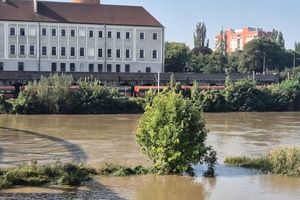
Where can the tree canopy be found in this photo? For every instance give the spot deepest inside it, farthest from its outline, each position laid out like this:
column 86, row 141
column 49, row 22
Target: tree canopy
column 176, row 57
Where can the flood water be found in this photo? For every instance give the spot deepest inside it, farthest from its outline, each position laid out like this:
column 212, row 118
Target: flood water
column 103, row 139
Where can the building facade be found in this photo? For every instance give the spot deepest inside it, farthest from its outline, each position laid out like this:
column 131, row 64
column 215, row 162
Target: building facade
column 237, row 39
column 79, row 37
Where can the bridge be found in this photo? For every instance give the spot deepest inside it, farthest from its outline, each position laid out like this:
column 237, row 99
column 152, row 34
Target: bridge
column 115, row 79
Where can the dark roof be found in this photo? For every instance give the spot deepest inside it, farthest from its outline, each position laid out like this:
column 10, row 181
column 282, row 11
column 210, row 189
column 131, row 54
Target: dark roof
column 58, row 12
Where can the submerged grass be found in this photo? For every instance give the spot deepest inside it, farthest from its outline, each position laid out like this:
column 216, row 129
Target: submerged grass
column 119, row 170
column 281, row 161
column 34, row 175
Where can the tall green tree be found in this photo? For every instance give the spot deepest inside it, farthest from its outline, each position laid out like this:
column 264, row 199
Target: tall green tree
column 297, row 47
column 234, row 61
column 176, row 57
column 274, row 35
column 200, row 36
column 260, row 51
column 280, row 40
column 222, row 43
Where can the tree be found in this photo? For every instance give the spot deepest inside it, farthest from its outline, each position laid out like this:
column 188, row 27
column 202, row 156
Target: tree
column 176, row 56
column 234, row 61
column 215, row 63
column 297, row 47
column 200, row 36
column 260, row 51
column 172, row 133
column 274, row 35
column 222, row 43
column 197, row 63
column 280, row 40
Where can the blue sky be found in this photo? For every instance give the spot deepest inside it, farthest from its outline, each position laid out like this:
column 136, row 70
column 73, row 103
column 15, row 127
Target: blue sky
column 180, row 17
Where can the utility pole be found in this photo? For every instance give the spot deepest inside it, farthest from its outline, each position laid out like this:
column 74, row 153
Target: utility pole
column 264, row 65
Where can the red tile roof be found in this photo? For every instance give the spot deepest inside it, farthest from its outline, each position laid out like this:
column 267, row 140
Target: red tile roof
column 58, row 12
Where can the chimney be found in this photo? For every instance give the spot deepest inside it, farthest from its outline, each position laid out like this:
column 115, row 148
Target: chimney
column 3, row 1
column 87, row 1
column 35, row 8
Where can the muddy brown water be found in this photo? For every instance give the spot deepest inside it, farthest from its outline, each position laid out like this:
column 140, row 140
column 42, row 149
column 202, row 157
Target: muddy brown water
column 99, row 139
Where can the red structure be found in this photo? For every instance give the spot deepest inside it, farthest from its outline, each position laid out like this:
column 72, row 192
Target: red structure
column 237, row 39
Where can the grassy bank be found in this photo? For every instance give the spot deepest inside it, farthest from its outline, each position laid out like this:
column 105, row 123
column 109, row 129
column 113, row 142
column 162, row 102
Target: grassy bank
column 34, row 175
column 281, row 161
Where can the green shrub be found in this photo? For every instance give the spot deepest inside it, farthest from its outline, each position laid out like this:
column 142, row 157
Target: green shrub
column 244, row 96
column 282, row 161
column 213, row 101
column 5, row 106
column 172, row 133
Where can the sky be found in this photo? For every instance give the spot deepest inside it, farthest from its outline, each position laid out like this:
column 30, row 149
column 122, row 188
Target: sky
column 180, row 17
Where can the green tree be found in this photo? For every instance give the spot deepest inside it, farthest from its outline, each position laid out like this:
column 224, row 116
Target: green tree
column 200, row 36
column 176, row 57
column 222, row 43
column 274, row 35
column 172, row 133
column 258, row 51
column 297, row 47
column 280, row 40
column 234, row 61
column 197, row 63
column 215, row 63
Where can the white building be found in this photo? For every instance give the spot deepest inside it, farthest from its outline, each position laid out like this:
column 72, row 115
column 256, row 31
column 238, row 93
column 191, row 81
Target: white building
column 78, row 37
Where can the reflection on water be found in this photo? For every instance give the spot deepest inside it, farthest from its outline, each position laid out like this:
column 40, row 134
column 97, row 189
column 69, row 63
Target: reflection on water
column 110, row 139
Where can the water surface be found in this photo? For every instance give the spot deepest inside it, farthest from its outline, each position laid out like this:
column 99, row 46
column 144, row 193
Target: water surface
column 96, row 139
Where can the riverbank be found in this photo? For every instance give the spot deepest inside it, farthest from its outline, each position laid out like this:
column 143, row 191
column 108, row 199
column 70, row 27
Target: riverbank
column 53, row 95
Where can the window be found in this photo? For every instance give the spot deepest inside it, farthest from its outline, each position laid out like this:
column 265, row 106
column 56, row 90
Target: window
column 109, row 53
column 72, row 67
column 100, row 34
column 44, row 31
column 109, row 34
column 44, row 50
column 20, row 66
column 118, row 53
column 127, row 54
column 81, row 51
column 72, row 52
column 53, row 52
column 154, row 36
column 22, row 31
column 62, row 67
column 154, row 54
column 148, row 69
column 53, row 32
column 142, row 36
column 127, row 68
column 31, row 50
column 108, row 67
column 72, row 33
column 1, row 66
column 100, row 53
column 53, row 67
column 127, row 35
column 91, row 34
column 12, row 49
column 142, row 53
column 63, row 51
column 118, row 68
column 63, row 32
column 91, row 67
column 118, row 35
column 22, row 49
column 100, row 67
column 12, row 31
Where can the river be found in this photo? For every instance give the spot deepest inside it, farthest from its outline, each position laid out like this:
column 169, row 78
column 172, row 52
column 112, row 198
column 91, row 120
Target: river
column 99, row 139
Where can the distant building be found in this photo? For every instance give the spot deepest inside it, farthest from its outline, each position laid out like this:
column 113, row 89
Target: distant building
column 83, row 36
column 237, row 39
